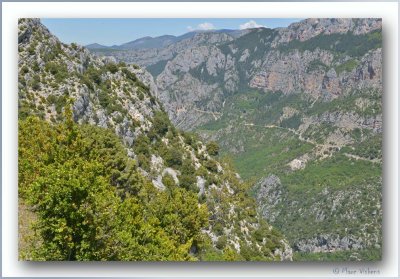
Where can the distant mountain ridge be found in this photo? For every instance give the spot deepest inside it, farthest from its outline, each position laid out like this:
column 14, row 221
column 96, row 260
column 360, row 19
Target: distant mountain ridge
column 161, row 41
column 96, row 46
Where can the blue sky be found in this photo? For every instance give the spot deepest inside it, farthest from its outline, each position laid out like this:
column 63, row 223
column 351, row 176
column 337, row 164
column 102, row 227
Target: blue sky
column 118, row 31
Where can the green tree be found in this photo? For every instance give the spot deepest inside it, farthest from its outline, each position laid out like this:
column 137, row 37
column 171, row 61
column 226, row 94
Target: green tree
column 180, row 215
column 173, row 157
column 161, row 124
column 68, row 174
column 75, row 204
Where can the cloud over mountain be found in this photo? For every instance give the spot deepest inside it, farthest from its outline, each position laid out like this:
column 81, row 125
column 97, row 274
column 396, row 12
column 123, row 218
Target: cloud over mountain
column 250, row 24
column 202, row 26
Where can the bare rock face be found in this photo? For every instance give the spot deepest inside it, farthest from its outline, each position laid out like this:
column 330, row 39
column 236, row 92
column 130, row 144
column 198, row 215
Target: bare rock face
column 211, row 65
column 269, row 194
column 291, row 73
column 179, row 90
column 312, row 27
column 329, row 243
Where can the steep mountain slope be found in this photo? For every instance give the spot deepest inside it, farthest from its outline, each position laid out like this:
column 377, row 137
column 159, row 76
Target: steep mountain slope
column 164, row 182
column 299, row 109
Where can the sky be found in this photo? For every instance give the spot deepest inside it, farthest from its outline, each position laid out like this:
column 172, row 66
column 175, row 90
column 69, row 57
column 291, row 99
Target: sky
column 110, row 32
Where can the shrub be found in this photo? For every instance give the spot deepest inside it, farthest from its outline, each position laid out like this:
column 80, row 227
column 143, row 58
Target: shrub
column 142, row 145
column 218, row 229
column 188, row 181
column 258, row 235
column 129, row 74
column 112, row 67
column 141, row 96
column 35, row 83
column 211, row 165
column 168, row 181
column 35, row 67
column 173, row 157
column 144, row 162
column 221, row 242
column 212, row 148
column 161, row 123
column 59, row 71
column 31, row 50
column 93, row 74
column 24, row 70
column 142, row 86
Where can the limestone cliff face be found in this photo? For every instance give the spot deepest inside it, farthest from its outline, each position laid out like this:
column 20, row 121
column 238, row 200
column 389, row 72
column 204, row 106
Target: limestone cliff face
column 294, row 73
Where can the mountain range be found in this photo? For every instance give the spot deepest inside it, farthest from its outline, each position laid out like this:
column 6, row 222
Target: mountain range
column 160, row 41
column 277, row 132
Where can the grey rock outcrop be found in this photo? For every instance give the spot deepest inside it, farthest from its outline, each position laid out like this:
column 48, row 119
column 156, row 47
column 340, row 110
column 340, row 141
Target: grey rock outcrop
column 269, row 194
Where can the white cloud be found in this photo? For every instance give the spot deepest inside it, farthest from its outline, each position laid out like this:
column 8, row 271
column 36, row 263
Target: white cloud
column 250, row 24
column 205, row 26
column 202, row 26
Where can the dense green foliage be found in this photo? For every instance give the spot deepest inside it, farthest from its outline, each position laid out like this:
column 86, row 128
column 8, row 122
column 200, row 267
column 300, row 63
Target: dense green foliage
column 347, row 66
column 335, row 172
column 92, row 203
column 267, row 149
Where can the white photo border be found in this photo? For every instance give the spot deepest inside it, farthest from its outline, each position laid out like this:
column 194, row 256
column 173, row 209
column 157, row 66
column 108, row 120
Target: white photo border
column 11, row 11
